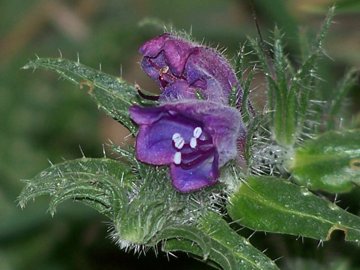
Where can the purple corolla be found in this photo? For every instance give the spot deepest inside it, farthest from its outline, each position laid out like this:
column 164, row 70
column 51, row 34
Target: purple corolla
column 194, row 137
column 182, row 67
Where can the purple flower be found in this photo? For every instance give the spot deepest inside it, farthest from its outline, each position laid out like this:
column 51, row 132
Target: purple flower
column 182, row 67
column 195, row 138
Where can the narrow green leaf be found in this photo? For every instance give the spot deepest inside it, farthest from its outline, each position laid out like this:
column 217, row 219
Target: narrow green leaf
column 99, row 183
column 260, row 52
column 245, row 102
column 200, row 243
column 280, row 64
column 230, row 250
column 304, row 42
column 342, row 90
column 282, row 99
column 278, row 11
column 177, row 244
column 330, row 162
column 225, row 247
column 285, row 115
column 245, row 74
column 252, row 128
column 291, row 117
column 348, row 6
column 318, row 43
column 240, row 64
column 127, row 193
column 273, row 205
column 112, row 94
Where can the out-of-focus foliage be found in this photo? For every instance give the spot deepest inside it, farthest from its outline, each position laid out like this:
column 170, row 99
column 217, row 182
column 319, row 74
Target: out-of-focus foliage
column 44, row 118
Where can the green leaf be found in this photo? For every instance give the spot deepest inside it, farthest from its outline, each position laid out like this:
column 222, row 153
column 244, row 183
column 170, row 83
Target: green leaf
column 285, row 114
column 318, row 43
column 289, row 90
column 346, row 84
column 113, row 189
column 330, row 162
column 224, row 246
column 273, row 205
column 177, row 237
column 112, row 94
column 176, row 244
column 278, row 12
column 348, row 6
column 282, row 98
column 305, row 81
column 99, row 183
column 126, row 192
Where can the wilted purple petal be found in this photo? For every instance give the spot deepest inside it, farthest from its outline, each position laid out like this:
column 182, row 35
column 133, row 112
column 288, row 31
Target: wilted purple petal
column 171, row 60
column 177, row 91
column 165, row 51
column 195, row 138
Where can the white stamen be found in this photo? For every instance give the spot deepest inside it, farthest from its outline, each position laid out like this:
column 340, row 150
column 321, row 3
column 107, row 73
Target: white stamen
column 177, row 158
column 197, row 132
column 163, row 70
column 179, row 143
column 193, row 142
column 176, row 136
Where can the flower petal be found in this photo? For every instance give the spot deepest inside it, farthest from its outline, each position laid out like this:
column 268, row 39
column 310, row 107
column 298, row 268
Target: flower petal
column 223, row 124
column 169, row 59
column 208, row 70
column 194, row 137
column 177, row 91
column 154, row 144
column 145, row 116
column 152, row 47
column 165, row 51
column 204, row 175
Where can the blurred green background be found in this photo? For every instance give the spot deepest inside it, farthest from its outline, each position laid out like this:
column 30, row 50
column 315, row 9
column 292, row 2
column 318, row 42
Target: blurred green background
column 45, row 119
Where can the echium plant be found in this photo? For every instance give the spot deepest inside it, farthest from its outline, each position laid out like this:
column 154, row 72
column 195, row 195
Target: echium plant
column 204, row 156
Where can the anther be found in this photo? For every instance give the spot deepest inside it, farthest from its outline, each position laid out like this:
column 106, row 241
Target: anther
column 193, row 142
column 197, row 132
column 179, row 143
column 178, row 140
column 176, row 136
column 177, row 158
column 163, row 70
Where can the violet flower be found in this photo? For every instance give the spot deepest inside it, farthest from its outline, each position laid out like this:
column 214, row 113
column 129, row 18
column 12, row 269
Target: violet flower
column 182, row 67
column 195, row 138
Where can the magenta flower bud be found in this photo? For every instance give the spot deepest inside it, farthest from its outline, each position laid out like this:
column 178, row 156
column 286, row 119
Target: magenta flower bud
column 195, row 138
column 182, row 67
